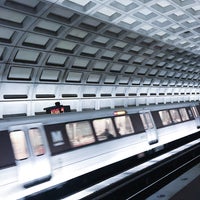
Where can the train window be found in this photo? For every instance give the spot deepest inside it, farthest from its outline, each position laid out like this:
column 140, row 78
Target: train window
column 104, row 129
column 124, row 125
column 195, row 111
column 190, row 113
column 146, row 120
column 36, row 142
column 175, row 115
column 184, row 114
column 19, row 145
column 143, row 121
column 80, row 133
column 165, row 118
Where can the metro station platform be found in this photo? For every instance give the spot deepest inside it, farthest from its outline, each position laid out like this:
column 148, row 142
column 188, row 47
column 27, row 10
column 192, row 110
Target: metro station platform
column 185, row 187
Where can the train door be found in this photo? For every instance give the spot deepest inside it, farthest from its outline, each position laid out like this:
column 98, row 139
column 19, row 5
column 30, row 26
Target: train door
column 31, row 153
column 196, row 116
column 150, row 129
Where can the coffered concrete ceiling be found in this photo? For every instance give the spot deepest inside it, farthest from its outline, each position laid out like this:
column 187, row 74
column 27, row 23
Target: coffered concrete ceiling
column 97, row 54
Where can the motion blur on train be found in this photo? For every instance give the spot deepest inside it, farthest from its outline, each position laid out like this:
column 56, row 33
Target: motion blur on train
column 34, row 149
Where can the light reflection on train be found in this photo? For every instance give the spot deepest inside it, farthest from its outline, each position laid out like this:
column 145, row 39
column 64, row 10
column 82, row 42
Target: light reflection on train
column 33, row 148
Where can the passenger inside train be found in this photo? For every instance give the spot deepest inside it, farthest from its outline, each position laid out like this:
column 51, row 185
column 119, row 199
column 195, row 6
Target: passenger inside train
column 108, row 134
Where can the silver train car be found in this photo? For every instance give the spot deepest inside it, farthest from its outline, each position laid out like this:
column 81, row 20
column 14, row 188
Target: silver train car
column 48, row 148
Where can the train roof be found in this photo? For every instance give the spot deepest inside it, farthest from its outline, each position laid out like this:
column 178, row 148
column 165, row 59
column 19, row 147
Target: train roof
column 83, row 115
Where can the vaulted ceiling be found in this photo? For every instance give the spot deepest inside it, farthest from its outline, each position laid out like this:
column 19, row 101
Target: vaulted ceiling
column 97, row 54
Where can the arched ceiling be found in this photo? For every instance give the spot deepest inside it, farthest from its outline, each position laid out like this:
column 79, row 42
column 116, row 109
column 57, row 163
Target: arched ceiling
column 55, row 51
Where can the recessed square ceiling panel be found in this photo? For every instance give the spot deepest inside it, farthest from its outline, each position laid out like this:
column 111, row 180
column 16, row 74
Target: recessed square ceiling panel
column 120, row 45
column 62, row 15
column 161, row 64
column 150, row 62
column 34, row 40
column 93, row 78
column 156, row 82
column 194, row 10
column 74, row 77
column 50, row 75
column 148, row 52
column 165, row 82
column 145, row 29
column 189, row 23
column 80, row 63
column 125, row 58
column 89, row 51
column 138, row 60
column 20, row 73
column 162, row 22
column 47, row 27
column 128, row 22
column 56, row 60
column 77, row 34
column 163, row 6
column 9, row 16
column 114, row 31
column 160, row 55
column 33, row 6
column 124, row 5
column 6, row 34
column 162, row 73
column 132, row 36
column 183, row 3
column 130, row 69
column 116, row 68
column 110, row 79
column 124, row 80
column 147, row 81
column 100, row 65
column 66, row 46
column 153, row 72
column 142, row 70
column 100, row 40
column 136, row 81
column 91, row 23
column 27, row 56
column 81, row 5
column 106, row 13
column 108, row 54
column 145, row 14
column 135, row 49
column 178, row 16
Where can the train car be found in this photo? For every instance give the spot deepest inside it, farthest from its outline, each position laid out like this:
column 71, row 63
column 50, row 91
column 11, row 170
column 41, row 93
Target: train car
column 49, row 147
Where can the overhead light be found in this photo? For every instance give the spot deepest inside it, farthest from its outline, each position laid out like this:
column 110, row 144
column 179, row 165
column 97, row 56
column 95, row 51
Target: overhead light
column 120, row 112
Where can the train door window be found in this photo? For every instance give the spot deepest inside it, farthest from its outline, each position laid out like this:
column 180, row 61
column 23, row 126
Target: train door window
column 104, row 129
column 146, row 120
column 184, row 114
column 195, row 111
column 175, row 115
column 143, row 121
column 19, row 145
column 165, row 117
column 80, row 133
column 190, row 114
column 123, row 124
column 36, row 142
column 151, row 132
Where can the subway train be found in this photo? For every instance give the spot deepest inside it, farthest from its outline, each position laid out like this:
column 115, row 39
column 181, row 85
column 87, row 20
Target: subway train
column 43, row 148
